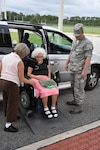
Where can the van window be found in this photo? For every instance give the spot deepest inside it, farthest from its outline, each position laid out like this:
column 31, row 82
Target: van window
column 59, row 44
column 5, row 40
column 34, row 38
column 14, row 36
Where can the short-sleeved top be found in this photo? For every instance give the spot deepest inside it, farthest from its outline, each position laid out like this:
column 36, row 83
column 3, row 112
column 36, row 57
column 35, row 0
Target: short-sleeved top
column 80, row 50
column 39, row 69
column 10, row 68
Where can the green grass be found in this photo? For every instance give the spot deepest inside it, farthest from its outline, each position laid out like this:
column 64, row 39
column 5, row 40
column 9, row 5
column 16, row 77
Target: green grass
column 87, row 30
column 33, row 38
column 14, row 36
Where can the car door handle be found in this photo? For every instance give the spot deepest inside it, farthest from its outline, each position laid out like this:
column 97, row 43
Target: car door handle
column 53, row 63
column 56, row 63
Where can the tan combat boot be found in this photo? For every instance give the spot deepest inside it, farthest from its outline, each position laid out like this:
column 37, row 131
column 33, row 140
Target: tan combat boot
column 77, row 109
column 71, row 102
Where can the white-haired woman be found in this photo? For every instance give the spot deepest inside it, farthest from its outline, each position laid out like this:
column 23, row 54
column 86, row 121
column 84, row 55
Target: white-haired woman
column 40, row 69
column 12, row 72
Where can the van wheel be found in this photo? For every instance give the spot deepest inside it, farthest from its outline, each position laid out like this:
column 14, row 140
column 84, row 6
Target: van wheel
column 25, row 99
column 92, row 79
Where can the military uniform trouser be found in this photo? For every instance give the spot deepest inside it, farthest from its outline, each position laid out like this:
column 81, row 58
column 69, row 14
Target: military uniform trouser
column 78, row 85
column 10, row 92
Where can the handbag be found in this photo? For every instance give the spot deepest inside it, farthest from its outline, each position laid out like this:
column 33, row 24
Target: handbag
column 48, row 83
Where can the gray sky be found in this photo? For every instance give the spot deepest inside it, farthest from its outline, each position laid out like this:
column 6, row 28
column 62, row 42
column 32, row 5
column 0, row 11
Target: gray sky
column 90, row 8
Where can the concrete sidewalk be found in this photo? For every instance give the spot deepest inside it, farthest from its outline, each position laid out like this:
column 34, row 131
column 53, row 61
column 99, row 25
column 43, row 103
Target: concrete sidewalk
column 89, row 140
column 83, row 138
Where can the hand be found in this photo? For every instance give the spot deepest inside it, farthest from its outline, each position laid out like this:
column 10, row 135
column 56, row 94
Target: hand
column 31, row 82
column 66, row 67
column 83, row 74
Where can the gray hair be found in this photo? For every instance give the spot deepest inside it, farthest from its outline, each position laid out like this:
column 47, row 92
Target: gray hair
column 37, row 51
column 21, row 49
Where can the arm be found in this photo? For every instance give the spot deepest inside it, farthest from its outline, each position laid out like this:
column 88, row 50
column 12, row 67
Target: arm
column 49, row 71
column 67, row 62
column 87, row 63
column 21, row 74
column 0, row 66
column 29, row 73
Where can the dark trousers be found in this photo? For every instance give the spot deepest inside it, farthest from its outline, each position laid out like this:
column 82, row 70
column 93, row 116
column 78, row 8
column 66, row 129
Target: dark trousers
column 10, row 92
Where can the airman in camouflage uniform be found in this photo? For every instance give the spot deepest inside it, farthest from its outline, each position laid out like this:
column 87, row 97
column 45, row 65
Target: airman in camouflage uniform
column 79, row 59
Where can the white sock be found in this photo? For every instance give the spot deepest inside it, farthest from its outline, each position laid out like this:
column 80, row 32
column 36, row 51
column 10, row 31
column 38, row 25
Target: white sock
column 53, row 108
column 7, row 125
column 45, row 109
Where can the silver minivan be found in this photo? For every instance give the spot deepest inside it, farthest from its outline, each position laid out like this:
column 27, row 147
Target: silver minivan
column 56, row 43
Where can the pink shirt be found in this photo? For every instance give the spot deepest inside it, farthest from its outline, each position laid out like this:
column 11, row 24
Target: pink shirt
column 9, row 68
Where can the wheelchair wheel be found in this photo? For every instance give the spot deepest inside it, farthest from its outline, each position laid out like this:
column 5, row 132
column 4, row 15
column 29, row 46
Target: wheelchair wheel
column 25, row 99
column 29, row 113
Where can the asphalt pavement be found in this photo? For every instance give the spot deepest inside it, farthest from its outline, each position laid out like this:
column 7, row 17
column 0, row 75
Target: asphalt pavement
column 37, row 128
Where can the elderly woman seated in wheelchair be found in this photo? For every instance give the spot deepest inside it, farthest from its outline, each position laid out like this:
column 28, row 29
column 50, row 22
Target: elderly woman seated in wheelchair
column 39, row 71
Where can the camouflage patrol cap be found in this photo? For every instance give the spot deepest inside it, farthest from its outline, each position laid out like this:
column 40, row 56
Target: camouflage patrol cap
column 78, row 29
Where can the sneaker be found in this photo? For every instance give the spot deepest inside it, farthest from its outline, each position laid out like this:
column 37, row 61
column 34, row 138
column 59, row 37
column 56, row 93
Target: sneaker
column 11, row 128
column 71, row 102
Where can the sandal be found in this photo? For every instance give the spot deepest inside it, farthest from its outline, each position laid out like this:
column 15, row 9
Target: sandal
column 54, row 112
column 48, row 114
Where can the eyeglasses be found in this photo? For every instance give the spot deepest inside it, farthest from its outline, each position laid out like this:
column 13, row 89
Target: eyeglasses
column 39, row 57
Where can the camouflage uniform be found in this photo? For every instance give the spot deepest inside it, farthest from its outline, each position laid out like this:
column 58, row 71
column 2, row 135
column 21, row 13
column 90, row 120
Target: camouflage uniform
column 80, row 50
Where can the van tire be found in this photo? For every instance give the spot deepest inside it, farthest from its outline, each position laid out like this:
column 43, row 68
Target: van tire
column 92, row 79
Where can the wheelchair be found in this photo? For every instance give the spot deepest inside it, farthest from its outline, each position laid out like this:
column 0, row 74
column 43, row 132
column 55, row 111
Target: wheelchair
column 28, row 103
